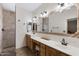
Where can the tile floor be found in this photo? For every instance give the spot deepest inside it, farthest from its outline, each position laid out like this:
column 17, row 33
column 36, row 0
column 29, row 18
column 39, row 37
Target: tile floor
column 24, row 52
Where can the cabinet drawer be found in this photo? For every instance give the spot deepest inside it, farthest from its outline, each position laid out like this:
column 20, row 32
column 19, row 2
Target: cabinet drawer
column 50, row 51
column 43, row 46
column 61, row 54
column 42, row 50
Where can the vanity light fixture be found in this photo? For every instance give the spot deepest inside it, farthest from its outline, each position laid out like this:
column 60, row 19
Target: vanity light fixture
column 34, row 19
column 29, row 20
column 43, row 13
column 63, row 6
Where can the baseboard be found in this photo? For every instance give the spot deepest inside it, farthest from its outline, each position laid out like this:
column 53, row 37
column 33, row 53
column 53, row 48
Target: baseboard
column 21, row 47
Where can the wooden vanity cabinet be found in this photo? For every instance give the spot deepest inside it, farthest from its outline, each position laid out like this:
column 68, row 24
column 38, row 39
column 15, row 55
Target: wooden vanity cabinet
column 61, row 54
column 39, row 48
column 29, row 43
column 36, row 47
column 42, row 49
column 26, row 37
column 53, row 52
column 50, row 51
column 26, row 40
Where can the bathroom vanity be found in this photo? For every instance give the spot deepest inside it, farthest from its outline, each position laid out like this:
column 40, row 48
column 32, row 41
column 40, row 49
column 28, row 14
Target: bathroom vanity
column 49, row 45
column 56, row 35
column 41, row 49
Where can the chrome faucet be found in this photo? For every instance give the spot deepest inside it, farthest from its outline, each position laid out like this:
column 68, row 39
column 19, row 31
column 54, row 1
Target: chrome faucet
column 63, row 42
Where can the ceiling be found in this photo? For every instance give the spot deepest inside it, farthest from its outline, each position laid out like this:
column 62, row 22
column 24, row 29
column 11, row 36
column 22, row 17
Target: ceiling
column 8, row 6
column 29, row 6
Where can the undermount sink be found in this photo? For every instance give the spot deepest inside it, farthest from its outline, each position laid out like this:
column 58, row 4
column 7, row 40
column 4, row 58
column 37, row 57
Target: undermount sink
column 59, row 45
column 56, row 43
column 45, row 38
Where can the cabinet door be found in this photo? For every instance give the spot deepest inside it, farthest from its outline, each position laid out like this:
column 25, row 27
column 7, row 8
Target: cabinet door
column 36, row 48
column 42, row 50
column 26, row 40
column 50, row 51
column 54, row 52
column 58, row 53
column 29, row 41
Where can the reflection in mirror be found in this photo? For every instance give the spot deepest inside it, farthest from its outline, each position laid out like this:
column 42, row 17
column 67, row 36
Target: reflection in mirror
column 45, row 24
column 29, row 27
column 34, row 24
column 34, row 27
column 58, row 21
column 72, row 26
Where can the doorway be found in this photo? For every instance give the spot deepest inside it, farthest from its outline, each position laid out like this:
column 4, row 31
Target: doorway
column 72, row 25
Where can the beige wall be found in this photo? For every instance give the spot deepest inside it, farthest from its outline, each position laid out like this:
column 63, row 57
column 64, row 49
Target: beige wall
column 21, row 29
column 78, row 20
column 77, row 5
column 0, row 28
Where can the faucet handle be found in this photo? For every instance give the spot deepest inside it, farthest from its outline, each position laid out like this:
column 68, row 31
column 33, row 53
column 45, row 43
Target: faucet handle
column 63, row 42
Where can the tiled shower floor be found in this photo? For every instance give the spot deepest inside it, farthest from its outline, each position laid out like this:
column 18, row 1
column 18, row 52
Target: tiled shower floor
column 8, row 52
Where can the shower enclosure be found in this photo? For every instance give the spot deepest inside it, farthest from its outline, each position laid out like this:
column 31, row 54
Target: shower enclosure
column 8, row 32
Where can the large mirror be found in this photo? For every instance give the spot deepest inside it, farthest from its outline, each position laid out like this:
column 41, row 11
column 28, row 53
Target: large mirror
column 64, row 21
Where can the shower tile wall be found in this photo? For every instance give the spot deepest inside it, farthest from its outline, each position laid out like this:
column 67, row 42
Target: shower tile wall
column 0, row 28
column 78, row 20
column 9, row 23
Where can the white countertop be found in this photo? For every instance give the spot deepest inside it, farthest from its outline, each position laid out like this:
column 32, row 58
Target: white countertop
column 69, row 49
